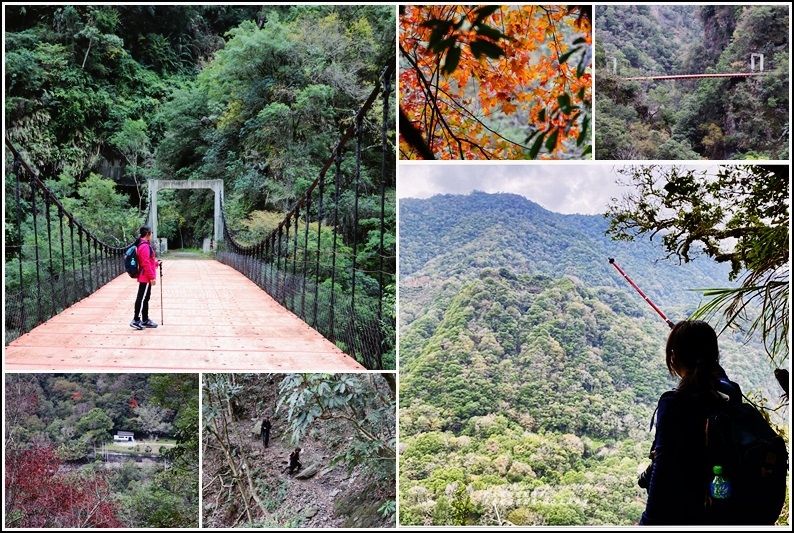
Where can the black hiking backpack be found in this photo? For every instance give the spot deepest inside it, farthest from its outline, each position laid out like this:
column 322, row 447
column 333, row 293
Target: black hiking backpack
column 753, row 457
column 131, row 261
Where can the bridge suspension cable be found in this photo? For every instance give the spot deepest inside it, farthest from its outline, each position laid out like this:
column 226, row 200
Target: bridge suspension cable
column 51, row 260
column 311, row 263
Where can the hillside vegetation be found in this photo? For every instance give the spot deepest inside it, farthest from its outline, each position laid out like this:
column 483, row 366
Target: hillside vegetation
column 529, row 369
column 710, row 118
column 345, row 427
column 254, row 95
column 59, row 429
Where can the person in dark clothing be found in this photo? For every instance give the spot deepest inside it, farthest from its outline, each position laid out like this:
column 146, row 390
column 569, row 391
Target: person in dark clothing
column 266, row 425
column 294, row 461
column 680, row 472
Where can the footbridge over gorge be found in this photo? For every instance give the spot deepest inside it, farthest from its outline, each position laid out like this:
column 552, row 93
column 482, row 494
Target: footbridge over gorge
column 315, row 295
column 755, row 60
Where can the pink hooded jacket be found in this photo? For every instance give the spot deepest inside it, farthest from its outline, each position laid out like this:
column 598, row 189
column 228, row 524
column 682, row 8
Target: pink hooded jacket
column 148, row 262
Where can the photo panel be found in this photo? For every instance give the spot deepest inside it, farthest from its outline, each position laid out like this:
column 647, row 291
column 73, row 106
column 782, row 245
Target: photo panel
column 215, row 192
column 536, row 307
column 495, row 82
column 101, row 450
column 299, row 450
column 692, row 82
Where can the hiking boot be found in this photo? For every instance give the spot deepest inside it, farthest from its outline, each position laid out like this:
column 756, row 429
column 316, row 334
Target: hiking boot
column 148, row 324
column 137, row 324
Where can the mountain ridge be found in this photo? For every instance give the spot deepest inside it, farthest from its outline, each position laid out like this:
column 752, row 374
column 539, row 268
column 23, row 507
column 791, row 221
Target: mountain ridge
column 494, row 230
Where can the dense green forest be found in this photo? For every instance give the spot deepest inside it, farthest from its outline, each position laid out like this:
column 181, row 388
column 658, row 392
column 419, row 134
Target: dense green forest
column 509, row 231
column 65, row 467
column 710, row 118
column 254, row 95
column 101, row 98
column 529, row 369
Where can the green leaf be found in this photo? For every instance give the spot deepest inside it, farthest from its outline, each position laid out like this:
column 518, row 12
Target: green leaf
column 542, row 115
column 484, row 12
column 551, row 142
column 564, row 101
column 432, row 23
column 533, row 152
column 436, row 40
column 492, row 33
column 584, row 135
column 442, row 45
column 453, row 58
column 564, row 57
column 481, row 46
column 580, row 68
column 529, row 137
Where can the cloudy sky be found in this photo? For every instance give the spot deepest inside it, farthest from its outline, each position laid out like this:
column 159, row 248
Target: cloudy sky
column 558, row 186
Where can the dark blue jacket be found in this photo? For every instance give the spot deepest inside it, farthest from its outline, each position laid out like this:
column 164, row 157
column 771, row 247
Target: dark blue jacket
column 681, row 472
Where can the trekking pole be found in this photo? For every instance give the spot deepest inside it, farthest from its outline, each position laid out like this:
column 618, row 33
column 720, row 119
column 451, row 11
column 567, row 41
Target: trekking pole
column 161, row 293
column 614, row 264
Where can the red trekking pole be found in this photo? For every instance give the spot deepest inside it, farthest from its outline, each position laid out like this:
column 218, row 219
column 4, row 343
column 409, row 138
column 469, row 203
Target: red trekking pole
column 669, row 322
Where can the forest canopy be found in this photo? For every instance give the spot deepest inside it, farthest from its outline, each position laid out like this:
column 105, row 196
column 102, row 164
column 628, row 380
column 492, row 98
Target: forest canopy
column 254, row 95
column 710, row 118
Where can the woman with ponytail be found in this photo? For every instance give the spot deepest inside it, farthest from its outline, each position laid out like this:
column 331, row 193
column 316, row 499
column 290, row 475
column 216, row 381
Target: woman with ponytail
column 680, row 469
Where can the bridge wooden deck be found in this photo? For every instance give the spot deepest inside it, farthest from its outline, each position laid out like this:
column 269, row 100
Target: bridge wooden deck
column 215, row 320
column 697, row 76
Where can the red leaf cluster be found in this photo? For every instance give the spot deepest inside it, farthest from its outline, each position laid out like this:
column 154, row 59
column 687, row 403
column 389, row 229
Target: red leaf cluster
column 41, row 493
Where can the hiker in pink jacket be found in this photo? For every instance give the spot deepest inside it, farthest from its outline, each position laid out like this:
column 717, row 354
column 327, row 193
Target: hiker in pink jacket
column 147, row 278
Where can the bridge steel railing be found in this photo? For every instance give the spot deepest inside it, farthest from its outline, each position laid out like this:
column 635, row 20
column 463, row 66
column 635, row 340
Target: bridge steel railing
column 312, row 262
column 51, row 259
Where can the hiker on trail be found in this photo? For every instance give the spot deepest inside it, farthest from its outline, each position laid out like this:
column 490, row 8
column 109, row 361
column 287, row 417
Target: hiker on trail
column 266, row 425
column 677, row 476
column 294, row 461
column 147, row 278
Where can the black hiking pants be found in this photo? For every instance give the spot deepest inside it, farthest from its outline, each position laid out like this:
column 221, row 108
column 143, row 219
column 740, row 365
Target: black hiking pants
column 266, row 437
column 142, row 301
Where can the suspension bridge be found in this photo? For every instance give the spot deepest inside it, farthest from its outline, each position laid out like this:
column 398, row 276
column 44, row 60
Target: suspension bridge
column 698, row 76
column 306, row 298
column 660, row 77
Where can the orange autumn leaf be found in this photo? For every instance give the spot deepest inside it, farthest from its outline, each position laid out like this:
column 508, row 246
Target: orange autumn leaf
column 504, row 56
column 508, row 108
